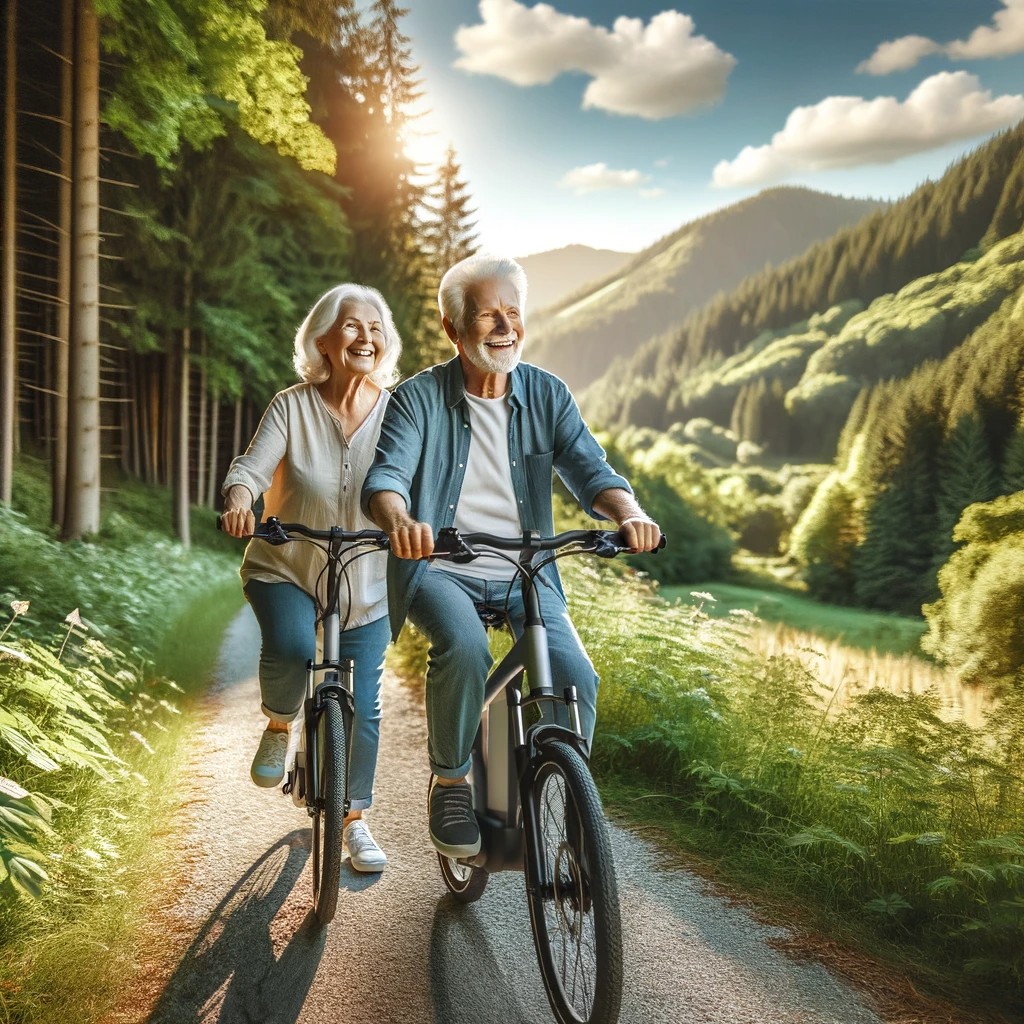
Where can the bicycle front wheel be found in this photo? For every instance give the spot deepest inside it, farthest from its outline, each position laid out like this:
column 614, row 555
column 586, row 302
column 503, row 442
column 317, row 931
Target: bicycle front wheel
column 574, row 906
column 329, row 819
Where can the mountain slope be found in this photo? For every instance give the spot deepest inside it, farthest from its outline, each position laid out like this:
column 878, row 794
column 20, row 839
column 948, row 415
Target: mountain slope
column 579, row 337
column 975, row 204
column 558, row 273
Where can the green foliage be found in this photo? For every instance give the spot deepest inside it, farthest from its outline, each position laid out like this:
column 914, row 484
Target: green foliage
column 178, row 57
column 890, row 816
column 824, row 539
column 977, row 625
column 697, row 547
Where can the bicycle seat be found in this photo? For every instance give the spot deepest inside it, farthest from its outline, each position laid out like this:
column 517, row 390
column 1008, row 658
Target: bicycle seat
column 489, row 617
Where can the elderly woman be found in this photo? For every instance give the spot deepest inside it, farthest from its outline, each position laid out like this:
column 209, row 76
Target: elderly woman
column 308, row 458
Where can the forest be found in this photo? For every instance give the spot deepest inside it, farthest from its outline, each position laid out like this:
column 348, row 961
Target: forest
column 181, row 181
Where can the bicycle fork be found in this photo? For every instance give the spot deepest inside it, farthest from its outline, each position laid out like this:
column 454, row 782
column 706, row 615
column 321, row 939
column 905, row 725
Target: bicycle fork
column 337, row 685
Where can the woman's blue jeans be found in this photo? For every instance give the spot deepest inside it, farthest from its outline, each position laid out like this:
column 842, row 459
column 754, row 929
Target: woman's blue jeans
column 287, row 618
column 444, row 610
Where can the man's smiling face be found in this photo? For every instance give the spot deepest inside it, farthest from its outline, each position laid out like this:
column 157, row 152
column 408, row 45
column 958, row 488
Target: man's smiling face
column 493, row 335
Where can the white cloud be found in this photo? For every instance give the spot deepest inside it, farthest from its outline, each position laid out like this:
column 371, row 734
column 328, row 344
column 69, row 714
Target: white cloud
column 654, row 71
column 850, row 131
column 652, row 193
column 898, row 55
column 600, row 178
column 1005, row 36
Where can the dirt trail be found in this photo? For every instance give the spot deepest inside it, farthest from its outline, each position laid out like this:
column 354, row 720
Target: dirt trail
column 238, row 942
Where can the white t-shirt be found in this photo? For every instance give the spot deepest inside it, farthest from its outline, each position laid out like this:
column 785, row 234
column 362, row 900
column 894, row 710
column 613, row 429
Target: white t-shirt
column 487, row 503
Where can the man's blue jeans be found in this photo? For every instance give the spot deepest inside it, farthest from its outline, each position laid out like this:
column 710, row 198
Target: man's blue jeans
column 444, row 610
column 287, row 618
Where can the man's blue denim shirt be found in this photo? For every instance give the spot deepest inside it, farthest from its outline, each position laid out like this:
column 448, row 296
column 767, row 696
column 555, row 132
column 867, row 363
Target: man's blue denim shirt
column 424, row 442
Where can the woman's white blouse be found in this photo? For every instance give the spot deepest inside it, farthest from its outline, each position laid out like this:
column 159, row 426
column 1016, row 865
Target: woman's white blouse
column 310, row 473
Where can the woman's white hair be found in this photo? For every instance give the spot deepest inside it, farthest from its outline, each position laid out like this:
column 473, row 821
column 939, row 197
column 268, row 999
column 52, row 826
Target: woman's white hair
column 310, row 363
column 451, row 296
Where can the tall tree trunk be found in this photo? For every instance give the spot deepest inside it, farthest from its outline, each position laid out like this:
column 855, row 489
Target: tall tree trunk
column 236, row 434
column 181, row 474
column 211, row 477
column 8, row 337
column 59, row 466
column 82, row 500
column 202, row 439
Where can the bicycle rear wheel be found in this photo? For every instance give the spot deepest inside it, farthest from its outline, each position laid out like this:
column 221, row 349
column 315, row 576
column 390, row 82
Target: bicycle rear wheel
column 574, row 906
column 329, row 817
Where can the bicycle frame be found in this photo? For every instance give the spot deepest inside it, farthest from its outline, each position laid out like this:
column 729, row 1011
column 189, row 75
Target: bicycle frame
column 338, row 682
column 504, row 745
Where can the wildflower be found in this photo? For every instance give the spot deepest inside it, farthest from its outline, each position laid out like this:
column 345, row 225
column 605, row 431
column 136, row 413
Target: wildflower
column 700, row 595
column 72, row 619
column 19, row 608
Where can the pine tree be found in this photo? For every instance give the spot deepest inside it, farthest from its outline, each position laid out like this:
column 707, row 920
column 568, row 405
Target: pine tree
column 967, row 474
column 1012, row 468
column 893, row 567
column 450, row 231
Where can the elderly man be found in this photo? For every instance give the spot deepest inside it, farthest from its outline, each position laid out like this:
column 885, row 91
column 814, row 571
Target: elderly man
column 472, row 444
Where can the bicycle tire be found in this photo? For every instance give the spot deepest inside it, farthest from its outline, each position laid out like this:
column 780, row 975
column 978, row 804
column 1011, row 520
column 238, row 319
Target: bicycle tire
column 464, row 881
column 574, row 909
column 329, row 817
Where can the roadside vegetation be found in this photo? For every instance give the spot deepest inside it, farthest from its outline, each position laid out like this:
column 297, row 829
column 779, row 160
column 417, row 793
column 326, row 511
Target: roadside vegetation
column 884, row 820
column 91, row 713
column 852, row 627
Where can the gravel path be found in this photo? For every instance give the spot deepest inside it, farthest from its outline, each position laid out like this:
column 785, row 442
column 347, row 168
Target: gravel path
column 239, row 943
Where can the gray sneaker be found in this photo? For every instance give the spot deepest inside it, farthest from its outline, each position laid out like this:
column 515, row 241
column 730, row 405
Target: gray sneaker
column 453, row 826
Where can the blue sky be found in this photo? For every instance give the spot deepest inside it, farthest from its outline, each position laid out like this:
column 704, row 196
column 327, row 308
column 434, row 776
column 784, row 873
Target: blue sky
column 612, row 123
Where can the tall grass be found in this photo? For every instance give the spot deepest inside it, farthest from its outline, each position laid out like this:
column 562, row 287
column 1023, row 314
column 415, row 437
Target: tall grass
column 878, row 809
column 87, row 735
column 843, row 672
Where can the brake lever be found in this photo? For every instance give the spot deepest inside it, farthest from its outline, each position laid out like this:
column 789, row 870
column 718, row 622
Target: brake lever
column 449, row 543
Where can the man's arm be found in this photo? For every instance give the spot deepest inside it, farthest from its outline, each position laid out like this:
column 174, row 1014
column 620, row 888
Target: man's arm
column 640, row 532
column 409, row 538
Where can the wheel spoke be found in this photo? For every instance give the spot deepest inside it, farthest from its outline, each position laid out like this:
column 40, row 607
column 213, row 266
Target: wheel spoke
column 574, row 904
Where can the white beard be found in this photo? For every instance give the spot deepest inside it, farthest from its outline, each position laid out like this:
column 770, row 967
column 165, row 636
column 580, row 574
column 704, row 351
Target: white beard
column 500, row 361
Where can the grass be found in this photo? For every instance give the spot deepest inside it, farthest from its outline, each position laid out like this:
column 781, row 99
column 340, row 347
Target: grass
column 162, row 610
column 879, row 816
column 853, row 627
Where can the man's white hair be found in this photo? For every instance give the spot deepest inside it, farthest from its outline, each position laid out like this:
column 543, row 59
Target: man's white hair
column 451, row 295
column 310, row 363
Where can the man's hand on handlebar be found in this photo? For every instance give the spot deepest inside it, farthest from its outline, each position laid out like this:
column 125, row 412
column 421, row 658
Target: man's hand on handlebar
column 411, row 539
column 640, row 534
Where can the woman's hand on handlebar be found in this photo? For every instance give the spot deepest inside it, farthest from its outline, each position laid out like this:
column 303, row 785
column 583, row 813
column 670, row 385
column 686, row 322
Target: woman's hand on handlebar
column 238, row 522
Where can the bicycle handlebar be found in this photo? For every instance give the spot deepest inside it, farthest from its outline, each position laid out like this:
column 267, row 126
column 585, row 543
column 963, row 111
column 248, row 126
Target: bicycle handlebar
column 605, row 543
column 276, row 532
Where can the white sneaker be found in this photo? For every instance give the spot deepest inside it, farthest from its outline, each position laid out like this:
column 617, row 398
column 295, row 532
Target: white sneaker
column 268, row 765
column 362, row 848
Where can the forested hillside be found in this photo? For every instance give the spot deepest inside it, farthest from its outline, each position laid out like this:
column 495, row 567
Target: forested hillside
column 578, row 337
column 558, row 273
column 183, row 181
column 977, row 202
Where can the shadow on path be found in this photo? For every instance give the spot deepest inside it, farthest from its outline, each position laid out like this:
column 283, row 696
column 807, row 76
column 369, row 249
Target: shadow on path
column 468, row 982
column 254, row 959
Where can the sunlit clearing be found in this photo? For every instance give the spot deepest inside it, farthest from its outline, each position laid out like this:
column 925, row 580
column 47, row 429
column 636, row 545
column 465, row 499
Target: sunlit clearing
column 424, row 140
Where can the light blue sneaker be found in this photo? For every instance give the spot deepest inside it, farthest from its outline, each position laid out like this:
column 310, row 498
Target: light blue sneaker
column 267, row 769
